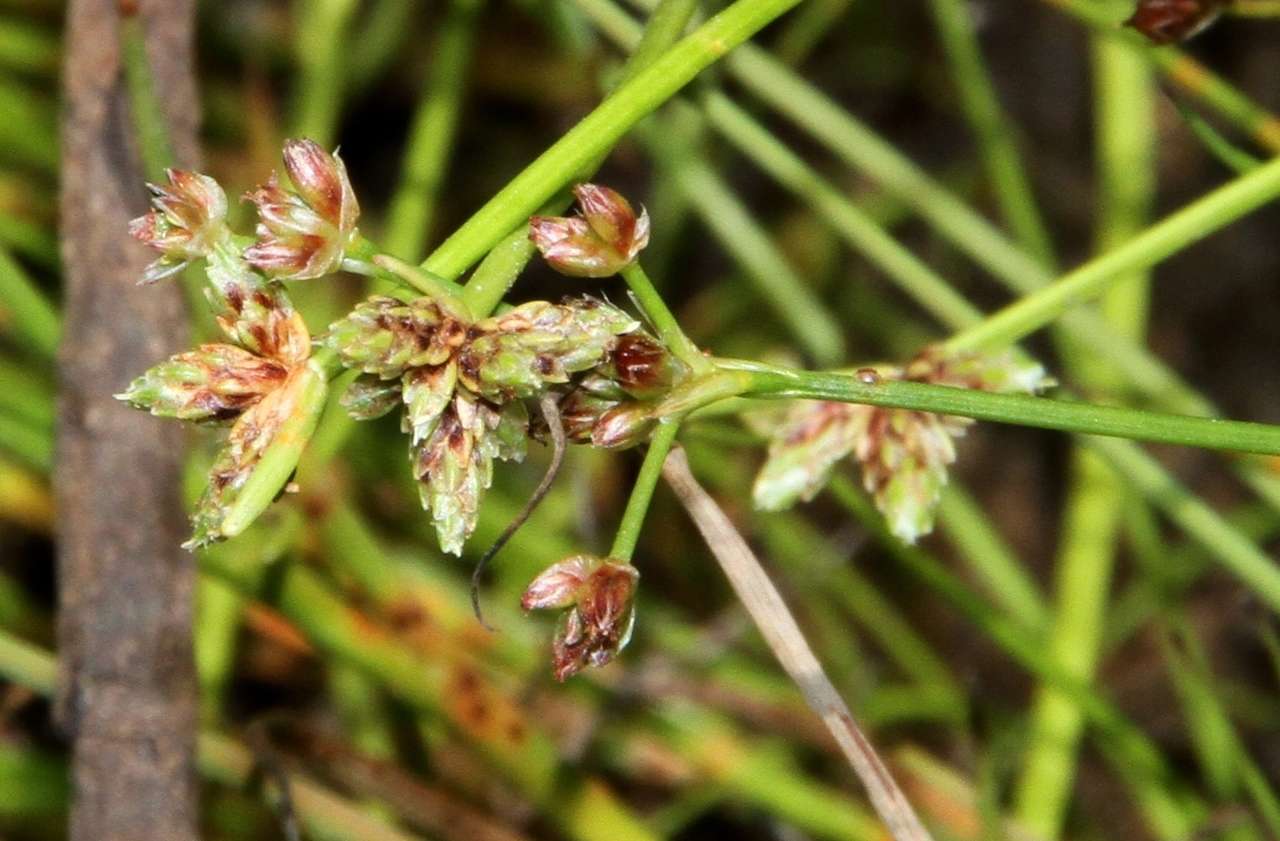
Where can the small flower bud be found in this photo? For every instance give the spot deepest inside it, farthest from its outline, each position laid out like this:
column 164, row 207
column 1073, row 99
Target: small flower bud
column 1172, row 21
column 214, row 382
column 187, row 221
column 606, row 238
column 558, row 585
column 599, row 596
column 642, row 366
column 580, row 411
column 624, row 426
column 304, row 234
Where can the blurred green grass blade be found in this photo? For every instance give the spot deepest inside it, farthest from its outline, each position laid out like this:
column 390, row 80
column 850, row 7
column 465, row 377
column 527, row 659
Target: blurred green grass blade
column 29, row 131
column 32, row 783
column 744, row 238
column 997, row 136
column 25, row 309
column 431, row 137
column 1007, row 581
column 321, row 29
column 28, row 47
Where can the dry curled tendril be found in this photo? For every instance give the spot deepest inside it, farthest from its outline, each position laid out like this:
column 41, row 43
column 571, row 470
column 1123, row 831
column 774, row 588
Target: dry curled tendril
column 463, row 383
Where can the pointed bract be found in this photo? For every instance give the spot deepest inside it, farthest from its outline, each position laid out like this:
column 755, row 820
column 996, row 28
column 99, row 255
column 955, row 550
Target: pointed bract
column 369, row 397
column 428, row 391
column 251, row 436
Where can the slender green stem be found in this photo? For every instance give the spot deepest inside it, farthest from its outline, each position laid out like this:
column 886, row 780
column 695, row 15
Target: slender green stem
column 1191, row 224
column 853, row 225
column 1225, row 543
column 655, row 309
column 495, row 275
column 1040, row 412
column 499, row 270
column 363, row 257
column 1097, row 497
column 148, row 119
column 624, row 542
column 27, row 309
column 599, row 130
column 431, row 138
column 420, row 280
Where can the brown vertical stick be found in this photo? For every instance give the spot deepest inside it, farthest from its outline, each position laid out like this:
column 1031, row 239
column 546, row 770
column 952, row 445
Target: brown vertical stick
column 778, row 627
column 127, row 690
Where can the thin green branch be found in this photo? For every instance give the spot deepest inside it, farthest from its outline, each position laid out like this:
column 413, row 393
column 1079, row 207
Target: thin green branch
column 1021, row 409
column 1184, row 227
column 624, row 542
column 663, row 321
column 600, row 130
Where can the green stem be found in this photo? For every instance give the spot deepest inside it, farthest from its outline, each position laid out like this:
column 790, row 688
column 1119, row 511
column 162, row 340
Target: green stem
column 624, row 542
column 431, row 139
column 600, row 130
column 655, row 309
column 148, row 119
column 364, row 257
column 1191, row 224
column 1039, row 412
column 499, row 270
column 495, row 275
column 1225, row 543
column 997, row 137
column 320, row 28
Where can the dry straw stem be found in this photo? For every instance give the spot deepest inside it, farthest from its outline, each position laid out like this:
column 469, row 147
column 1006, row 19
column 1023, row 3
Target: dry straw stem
column 779, row 628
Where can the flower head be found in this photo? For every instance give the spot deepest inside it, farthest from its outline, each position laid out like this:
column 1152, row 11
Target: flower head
column 1171, row 21
column 188, row 218
column 903, row 454
column 598, row 597
column 606, row 238
column 304, row 234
